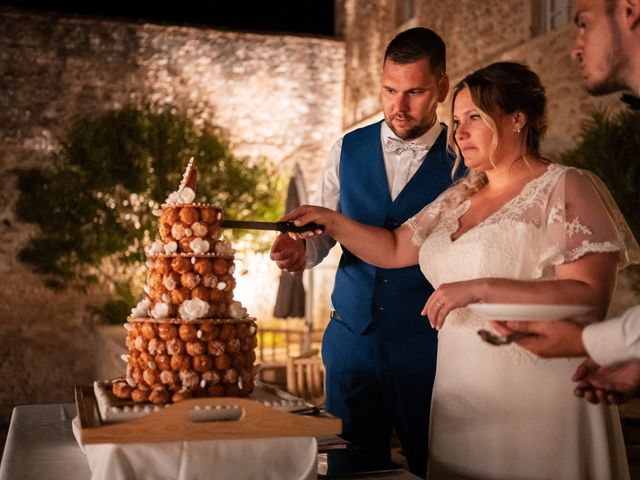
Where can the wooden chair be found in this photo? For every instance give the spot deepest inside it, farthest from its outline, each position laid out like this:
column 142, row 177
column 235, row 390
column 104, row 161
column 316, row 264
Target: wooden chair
column 306, row 377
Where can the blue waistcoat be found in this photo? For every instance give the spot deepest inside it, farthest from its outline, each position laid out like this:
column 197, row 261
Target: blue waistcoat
column 390, row 299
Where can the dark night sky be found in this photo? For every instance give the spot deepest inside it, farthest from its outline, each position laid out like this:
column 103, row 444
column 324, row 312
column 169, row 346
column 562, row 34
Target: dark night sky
column 301, row 16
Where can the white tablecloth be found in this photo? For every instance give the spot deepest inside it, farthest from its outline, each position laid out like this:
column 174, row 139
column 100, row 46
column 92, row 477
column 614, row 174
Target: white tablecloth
column 280, row 458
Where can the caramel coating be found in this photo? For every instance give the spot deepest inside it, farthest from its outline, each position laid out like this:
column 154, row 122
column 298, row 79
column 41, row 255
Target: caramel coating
column 167, row 331
column 189, row 379
column 121, row 390
column 216, row 390
column 214, row 232
column 203, row 266
column 154, row 280
column 139, row 395
column 171, row 280
column 233, row 346
column 209, row 280
column 170, row 215
column 202, row 363
column 190, row 280
column 189, row 215
column 188, row 332
column 148, row 331
column 179, row 295
column 223, row 362
column 212, row 377
column 230, row 376
column 201, row 292
column 239, row 361
column 195, row 348
column 159, row 396
column 162, row 265
column 140, row 344
column 163, row 361
column 169, row 377
column 180, row 395
column 209, row 215
column 155, row 295
column 157, row 346
column 180, row 362
column 209, row 332
column 227, row 332
column 181, row 264
column 216, row 295
column 185, row 244
column 150, row 376
column 175, row 346
column 215, row 348
column 220, row 266
column 165, row 231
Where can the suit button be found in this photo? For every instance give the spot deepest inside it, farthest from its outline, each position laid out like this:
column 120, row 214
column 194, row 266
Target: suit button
column 380, row 307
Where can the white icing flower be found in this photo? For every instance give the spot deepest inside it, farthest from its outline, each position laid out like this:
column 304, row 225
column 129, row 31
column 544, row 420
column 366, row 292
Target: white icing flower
column 171, row 247
column 168, row 282
column 192, row 309
column 187, row 232
column 186, row 195
column 156, row 247
column 199, row 229
column 141, row 309
column 172, row 198
column 160, row 310
column 166, row 298
column 156, row 212
column 221, row 285
column 199, row 245
column 236, row 310
column 232, row 269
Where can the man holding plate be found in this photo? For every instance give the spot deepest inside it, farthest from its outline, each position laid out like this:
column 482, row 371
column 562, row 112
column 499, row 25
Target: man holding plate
column 607, row 49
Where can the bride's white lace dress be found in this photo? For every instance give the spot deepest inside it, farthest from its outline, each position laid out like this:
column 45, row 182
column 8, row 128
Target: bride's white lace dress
column 501, row 412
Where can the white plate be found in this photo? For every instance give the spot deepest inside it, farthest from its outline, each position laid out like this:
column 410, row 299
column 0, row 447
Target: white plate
column 525, row 311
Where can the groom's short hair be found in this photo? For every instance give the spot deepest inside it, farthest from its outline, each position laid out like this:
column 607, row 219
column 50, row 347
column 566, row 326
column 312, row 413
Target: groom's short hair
column 416, row 44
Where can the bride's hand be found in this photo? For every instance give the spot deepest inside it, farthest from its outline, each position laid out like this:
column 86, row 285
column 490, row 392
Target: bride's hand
column 450, row 296
column 310, row 213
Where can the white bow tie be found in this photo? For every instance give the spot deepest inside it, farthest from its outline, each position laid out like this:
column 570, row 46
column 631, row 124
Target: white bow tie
column 397, row 146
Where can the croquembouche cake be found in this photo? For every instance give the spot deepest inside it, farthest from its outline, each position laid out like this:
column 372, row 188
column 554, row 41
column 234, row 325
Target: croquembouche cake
column 188, row 337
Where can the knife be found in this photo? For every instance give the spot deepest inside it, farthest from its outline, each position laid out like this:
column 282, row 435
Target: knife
column 279, row 226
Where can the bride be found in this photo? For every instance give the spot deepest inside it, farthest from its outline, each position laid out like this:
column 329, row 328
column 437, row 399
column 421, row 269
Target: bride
column 516, row 229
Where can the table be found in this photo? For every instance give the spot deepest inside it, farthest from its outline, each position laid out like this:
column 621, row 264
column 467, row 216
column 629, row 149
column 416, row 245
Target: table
column 41, row 446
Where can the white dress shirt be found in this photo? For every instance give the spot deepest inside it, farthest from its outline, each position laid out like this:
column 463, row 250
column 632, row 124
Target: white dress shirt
column 399, row 167
column 614, row 340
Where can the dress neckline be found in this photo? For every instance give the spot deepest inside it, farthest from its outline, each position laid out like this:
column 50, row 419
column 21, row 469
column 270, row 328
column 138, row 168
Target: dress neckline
column 464, row 206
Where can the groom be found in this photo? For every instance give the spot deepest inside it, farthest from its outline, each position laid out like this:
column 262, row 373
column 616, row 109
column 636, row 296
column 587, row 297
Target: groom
column 379, row 352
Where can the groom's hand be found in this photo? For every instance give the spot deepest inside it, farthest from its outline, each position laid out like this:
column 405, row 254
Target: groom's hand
column 614, row 384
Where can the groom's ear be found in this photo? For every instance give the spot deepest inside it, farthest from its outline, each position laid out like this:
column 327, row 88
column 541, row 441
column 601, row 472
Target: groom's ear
column 443, row 87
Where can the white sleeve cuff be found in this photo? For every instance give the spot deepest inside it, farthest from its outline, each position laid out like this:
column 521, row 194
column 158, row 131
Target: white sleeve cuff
column 614, row 340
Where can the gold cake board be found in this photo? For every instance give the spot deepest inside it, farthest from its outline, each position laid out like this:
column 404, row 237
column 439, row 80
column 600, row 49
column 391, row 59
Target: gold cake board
column 174, row 423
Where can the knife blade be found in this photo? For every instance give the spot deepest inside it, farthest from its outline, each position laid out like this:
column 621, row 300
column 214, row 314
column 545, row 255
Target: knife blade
column 278, row 226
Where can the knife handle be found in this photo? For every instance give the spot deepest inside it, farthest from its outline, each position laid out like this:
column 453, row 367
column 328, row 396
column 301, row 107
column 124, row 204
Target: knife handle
column 290, row 227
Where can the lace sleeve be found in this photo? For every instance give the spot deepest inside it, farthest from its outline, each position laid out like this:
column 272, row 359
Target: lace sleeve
column 583, row 218
column 423, row 222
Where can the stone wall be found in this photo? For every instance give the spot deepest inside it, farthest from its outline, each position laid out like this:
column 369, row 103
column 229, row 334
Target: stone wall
column 275, row 96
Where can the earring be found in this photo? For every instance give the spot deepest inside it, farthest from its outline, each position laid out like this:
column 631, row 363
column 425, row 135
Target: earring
column 518, row 130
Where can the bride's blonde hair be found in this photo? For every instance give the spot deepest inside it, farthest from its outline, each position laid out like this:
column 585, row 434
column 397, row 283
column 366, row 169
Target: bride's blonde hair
column 499, row 88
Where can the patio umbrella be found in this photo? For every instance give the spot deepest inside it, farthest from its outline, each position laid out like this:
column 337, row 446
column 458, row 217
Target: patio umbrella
column 290, row 300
